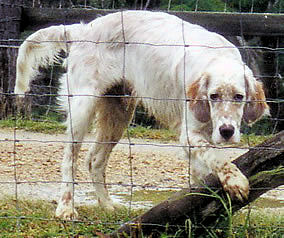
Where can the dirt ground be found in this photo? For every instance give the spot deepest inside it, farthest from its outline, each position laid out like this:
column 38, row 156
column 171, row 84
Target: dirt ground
column 33, row 161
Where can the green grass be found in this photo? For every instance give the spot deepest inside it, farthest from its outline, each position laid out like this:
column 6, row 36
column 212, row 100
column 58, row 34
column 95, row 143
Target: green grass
column 141, row 132
column 253, row 140
column 35, row 218
column 43, row 126
column 261, row 219
column 152, row 196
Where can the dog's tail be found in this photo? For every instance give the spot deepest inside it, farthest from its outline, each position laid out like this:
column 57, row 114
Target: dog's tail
column 42, row 48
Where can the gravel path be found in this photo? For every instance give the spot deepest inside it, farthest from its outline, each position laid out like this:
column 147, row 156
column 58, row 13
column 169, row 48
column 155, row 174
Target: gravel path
column 34, row 161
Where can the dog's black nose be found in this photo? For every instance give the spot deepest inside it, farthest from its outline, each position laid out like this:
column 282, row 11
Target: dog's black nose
column 227, row 131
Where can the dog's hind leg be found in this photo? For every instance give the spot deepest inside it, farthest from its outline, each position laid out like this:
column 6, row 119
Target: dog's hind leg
column 81, row 113
column 112, row 117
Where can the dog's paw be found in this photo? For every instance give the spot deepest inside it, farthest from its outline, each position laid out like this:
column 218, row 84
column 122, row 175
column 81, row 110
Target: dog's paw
column 66, row 212
column 109, row 205
column 234, row 182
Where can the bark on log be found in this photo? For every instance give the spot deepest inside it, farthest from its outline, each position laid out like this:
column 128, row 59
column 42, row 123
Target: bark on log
column 264, row 167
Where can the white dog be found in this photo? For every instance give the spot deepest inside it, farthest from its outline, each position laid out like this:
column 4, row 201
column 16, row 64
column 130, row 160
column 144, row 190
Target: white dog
column 187, row 77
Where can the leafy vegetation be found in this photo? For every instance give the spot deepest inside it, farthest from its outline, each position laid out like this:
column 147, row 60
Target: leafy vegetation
column 188, row 5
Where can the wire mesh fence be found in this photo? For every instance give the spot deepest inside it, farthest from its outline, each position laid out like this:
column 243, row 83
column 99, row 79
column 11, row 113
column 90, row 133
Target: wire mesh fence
column 140, row 169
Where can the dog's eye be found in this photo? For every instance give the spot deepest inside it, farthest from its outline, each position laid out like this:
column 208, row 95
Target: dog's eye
column 238, row 97
column 214, row 96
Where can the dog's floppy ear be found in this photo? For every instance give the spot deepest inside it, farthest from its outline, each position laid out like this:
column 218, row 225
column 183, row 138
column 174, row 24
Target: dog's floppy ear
column 197, row 96
column 256, row 107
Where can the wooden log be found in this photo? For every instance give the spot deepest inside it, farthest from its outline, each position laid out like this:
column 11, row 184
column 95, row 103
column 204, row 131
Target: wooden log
column 234, row 24
column 264, row 167
column 37, row 18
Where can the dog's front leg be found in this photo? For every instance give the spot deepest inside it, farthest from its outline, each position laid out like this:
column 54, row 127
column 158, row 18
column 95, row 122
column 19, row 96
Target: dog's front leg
column 205, row 160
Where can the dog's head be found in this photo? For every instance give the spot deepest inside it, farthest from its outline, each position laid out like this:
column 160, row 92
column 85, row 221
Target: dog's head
column 224, row 95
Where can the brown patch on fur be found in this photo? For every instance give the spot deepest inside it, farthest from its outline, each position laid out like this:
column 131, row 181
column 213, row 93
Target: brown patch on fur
column 197, row 104
column 257, row 106
column 193, row 91
column 120, row 93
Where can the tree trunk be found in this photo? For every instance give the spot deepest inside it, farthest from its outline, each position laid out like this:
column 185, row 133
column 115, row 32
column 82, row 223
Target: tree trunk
column 263, row 165
column 10, row 12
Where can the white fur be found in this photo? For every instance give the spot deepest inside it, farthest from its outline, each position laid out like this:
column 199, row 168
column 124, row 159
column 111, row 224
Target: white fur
column 163, row 58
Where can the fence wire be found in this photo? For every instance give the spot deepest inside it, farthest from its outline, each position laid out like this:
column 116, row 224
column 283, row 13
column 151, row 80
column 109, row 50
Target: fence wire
column 21, row 162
